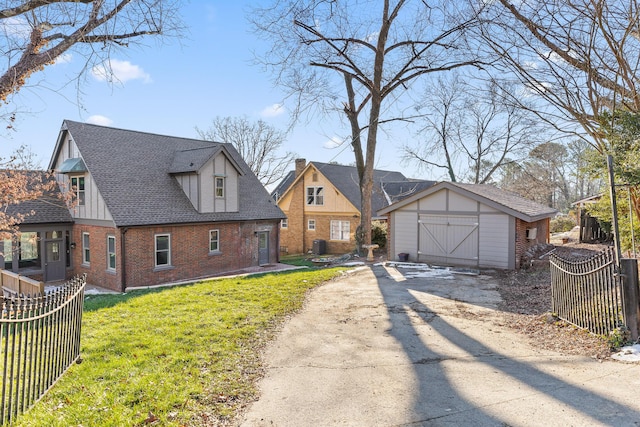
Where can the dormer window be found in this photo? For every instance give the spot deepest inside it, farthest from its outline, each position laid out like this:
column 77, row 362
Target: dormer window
column 219, row 186
column 77, row 186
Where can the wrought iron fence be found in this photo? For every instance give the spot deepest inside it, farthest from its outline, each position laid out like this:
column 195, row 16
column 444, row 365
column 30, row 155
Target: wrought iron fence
column 588, row 293
column 39, row 340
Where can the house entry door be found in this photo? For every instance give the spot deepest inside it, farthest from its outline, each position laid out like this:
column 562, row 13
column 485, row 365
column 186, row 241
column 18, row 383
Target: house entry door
column 263, row 247
column 54, row 262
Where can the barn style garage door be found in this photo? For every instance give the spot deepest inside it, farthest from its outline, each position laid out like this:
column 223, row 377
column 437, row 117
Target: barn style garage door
column 448, row 239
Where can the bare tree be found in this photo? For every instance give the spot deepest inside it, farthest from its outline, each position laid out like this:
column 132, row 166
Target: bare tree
column 258, row 143
column 359, row 58
column 20, row 184
column 471, row 131
column 36, row 33
column 581, row 58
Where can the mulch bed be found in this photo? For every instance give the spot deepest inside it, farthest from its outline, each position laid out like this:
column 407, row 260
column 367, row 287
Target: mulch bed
column 526, row 305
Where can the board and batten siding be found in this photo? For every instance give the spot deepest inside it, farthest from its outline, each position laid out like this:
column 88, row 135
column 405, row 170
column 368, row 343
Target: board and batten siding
column 222, row 167
column 404, row 234
column 94, row 207
column 189, row 184
column 496, row 235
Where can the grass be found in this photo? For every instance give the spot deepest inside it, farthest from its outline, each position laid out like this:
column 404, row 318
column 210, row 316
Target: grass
column 299, row 260
column 188, row 355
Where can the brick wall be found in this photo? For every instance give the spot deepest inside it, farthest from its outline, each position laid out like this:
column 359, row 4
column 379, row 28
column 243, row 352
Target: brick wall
column 522, row 243
column 190, row 257
column 96, row 270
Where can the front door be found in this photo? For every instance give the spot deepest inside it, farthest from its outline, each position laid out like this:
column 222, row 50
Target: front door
column 263, row 247
column 54, row 264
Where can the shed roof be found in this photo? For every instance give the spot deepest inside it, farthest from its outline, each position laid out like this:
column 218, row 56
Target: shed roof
column 132, row 171
column 504, row 201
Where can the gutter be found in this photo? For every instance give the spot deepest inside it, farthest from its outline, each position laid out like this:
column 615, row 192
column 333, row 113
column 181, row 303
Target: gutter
column 123, row 252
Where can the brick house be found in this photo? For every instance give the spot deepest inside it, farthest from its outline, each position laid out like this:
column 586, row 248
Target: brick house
column 472, row 225
column 154, row 209
column 322, row 204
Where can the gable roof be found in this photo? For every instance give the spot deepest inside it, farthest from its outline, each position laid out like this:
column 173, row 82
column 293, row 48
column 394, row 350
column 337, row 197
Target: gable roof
column 345, row 180
column 504, row 201
column 49, row 208
column 396, row 191
column 192, row 160
column 132, row 172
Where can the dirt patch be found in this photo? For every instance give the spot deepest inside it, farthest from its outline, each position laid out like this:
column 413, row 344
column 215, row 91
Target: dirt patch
column 526, row 304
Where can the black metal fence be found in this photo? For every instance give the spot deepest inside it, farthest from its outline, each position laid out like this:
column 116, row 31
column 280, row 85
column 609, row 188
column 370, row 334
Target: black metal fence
column 40, row 339
column 588, row 293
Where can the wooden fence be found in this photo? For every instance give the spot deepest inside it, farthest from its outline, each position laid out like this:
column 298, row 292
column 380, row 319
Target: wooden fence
column 39, row 340
column 16, row 284
column 589, row 293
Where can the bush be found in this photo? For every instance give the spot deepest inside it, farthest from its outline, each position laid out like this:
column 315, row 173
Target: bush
column 562, row 223
column 379, row 234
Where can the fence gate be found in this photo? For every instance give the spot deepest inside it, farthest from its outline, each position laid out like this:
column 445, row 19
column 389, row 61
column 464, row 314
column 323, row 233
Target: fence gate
column 40, row 339
column 588, row 293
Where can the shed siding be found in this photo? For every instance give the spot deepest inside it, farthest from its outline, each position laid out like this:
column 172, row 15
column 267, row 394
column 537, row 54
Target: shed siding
column 405, row 234
column 494, row 241
column 461, row 203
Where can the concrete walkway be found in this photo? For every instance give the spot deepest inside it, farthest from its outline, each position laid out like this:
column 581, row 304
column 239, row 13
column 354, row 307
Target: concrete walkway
column 388, row 347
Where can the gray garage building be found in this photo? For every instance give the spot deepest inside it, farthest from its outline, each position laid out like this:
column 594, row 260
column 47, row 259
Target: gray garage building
column 474, row 225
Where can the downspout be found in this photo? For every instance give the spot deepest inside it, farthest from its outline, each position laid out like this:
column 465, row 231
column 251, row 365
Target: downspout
column 122, row 258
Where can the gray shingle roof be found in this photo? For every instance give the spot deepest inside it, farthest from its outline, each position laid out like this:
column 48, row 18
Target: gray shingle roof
column 503, row 200
column 345, row 179
column 132, row 172
column 47, row 209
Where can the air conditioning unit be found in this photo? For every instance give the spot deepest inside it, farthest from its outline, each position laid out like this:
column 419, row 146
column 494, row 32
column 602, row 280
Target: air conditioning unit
column 532, row 233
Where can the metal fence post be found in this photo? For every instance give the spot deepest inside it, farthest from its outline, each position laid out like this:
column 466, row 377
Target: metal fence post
column 629, row 267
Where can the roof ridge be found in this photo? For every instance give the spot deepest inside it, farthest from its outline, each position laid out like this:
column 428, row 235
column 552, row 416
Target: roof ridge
column 140, row 131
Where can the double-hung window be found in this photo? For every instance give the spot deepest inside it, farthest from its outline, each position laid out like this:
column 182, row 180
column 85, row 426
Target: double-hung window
column 311, row 224
column 315, row 196
column 111, row 253
column 77, row 186
column 284, row 223
column 340, row 230
column 163, row 250
column 214, row 241
column 219, row 186
column 86, row 249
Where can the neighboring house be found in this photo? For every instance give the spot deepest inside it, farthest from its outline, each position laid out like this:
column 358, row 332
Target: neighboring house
column 322, row 204
column 472, row 225
column 41, row 250
column 153, row 209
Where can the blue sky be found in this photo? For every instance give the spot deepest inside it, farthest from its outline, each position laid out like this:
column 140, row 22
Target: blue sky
column 174, row 87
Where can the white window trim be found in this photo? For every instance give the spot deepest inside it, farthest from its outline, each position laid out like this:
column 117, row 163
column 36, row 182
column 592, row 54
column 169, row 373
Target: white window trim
column 155, row 252
column 214, row 251
column 315, row 196
column 77, row 191
column 284, row 223
column 215, row 186
column 86, row 249
column 340, row 230
column 309, row 222
column 109, row 268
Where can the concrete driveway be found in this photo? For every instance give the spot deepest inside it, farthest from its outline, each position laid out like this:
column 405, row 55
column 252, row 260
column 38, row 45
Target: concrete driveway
column 395, row 347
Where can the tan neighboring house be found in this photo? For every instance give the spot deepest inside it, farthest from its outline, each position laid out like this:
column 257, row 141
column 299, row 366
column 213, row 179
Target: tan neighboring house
column 322, row 205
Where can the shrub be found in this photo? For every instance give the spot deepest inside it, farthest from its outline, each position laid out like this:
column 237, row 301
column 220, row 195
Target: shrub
column 562, row 223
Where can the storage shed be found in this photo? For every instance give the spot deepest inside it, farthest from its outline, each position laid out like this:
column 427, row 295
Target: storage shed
column 474, row 225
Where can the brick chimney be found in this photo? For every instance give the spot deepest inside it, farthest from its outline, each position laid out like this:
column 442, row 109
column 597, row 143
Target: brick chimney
column 300, row 164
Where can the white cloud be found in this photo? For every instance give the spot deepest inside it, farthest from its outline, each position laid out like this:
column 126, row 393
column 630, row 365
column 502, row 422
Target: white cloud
column 17, row 27
column 119, row 71
column 334, row 142
column 65, row 58
column 97, row 119
column 274, row 110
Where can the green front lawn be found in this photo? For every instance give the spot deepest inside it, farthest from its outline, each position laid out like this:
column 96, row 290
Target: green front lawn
column 187, row 355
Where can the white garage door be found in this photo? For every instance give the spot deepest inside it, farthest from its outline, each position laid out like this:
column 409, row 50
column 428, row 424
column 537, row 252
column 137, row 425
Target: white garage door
column 451, row 239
